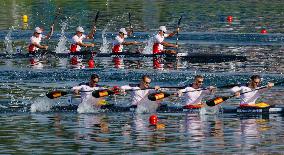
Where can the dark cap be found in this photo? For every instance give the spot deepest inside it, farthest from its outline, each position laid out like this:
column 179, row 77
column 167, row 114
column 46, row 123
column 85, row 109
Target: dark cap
column 255, row 77
column 94, row 76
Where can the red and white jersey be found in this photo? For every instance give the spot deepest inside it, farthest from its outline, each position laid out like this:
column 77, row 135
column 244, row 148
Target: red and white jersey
column 248, row 98
column 76, row 39
column 35, row 40
column 117, row 44
column 157, row 46
column 194, row 97
column 139, row 96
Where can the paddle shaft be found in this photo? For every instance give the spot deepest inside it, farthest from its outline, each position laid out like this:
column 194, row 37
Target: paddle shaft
column 224, row 86
column 96, row 18
column 52, row 26
column 178, row 27
column 130, row 24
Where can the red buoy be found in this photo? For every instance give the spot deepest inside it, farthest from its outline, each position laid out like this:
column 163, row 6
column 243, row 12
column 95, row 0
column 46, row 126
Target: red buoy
column 153, row 120
column 91, row 63
column 230, row 19
column 263, row 31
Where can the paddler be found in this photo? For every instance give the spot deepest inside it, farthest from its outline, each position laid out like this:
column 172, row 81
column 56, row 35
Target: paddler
column 159, row 43
column 195, row 93
column 79, row 37
column 140, row 92
column 36, row 39
column 119, row 41
column 249, row 99
column 86, row 89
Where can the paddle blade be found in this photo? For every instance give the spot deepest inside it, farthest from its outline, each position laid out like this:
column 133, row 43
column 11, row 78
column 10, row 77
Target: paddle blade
column 97, row 16
column 102, row 93
column 217, row 100
column 158, row 96
column 56, row 94
column 179, row 20
column 129, row 18
column 262, row 105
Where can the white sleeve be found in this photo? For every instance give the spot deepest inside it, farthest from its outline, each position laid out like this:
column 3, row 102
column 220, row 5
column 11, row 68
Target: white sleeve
column 166, row 35
column 235, row 89
column 77, row 39
column 126, row 87
column 185, row 89
column 33, row 40
column 119, row 40
column 76, row 88
column 83, row 36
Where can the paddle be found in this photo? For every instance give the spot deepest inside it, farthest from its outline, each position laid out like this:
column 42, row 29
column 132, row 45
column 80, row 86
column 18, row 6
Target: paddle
column 162, row 95
column 94, row 26
column 96, row 18
column 178, row 27
column 54, row 20
column 60, row 93
column 130, row 24
column 107, row 92
column 58, row 10
column 221, row 99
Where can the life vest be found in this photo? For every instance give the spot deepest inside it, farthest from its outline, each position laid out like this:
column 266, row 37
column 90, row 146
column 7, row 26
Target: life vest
column 116, row 49
column 156, row 63
column 31, row 48
column 156, row 49
column 73, row 48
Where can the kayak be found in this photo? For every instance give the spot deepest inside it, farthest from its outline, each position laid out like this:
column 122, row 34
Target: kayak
column 164, row 109
column 191, row 57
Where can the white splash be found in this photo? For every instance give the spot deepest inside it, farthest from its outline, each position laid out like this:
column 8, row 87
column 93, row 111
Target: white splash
column 88, row 105
column 149, row 46
column 146, row 106
column 105, row 45
column 61, row 46
column 41, row 105
column 8, row 41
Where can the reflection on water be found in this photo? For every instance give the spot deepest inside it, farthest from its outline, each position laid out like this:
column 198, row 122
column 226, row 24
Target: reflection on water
column 125, row 133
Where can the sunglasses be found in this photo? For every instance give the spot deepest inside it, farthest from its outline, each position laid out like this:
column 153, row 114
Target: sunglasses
column 95, row 81
column 256, row 82
column 199, row 81
column 146, row 83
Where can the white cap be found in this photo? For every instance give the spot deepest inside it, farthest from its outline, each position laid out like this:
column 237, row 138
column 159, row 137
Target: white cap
column 163, row 28
column 122, row 30
column 38, row 30
column 80, row 29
